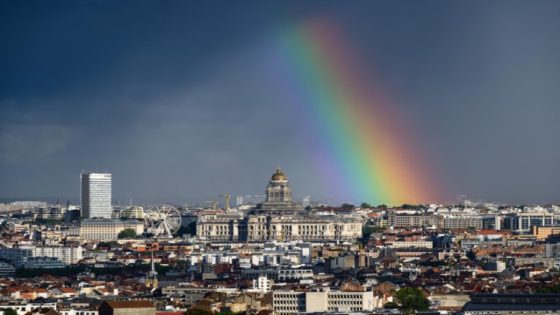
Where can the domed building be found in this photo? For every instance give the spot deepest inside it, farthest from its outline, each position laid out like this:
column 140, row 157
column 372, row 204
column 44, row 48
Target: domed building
column 279, row 194
column 278, row 218
column 132, row 212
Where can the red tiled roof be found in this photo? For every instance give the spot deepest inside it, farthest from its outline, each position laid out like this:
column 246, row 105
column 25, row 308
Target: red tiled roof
column 67, row 290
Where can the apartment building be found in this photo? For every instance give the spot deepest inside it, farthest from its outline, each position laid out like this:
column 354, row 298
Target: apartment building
column 523, row 222
column 66, row 254
column 411, row 244
column 43, row 263
column 412, row 219
column 321, row 301
column 16, row 256
column 6, row 270
column 279, row 274
column 462, row 222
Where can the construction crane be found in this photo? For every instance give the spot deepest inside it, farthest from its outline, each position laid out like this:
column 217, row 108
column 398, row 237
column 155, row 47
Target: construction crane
column 227, row 197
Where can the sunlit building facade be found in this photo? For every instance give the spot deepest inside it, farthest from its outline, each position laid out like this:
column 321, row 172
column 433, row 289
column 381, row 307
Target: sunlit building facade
column 96, row 195
column 279, row 218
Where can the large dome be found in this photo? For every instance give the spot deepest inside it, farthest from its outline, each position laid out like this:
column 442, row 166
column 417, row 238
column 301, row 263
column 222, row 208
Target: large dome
column 278, row 175
column 132, row 212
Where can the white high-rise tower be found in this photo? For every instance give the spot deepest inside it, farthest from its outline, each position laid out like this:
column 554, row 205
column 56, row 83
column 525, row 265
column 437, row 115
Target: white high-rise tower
column 96, row 195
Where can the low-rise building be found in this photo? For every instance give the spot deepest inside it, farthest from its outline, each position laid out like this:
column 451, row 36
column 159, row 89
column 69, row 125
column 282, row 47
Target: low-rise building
column 6, row 270
column 543, row 232
column 513, row 304
column 17, row 256
column 411, row 244
column 127, row 308
column 322, row 301
column 107, row 229
column 67, row 254
column 262, row 284
column 43, row 263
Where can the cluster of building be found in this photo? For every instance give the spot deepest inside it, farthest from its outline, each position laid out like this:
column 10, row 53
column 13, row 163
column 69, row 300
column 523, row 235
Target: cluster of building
column 279, row 257
column 278, row 219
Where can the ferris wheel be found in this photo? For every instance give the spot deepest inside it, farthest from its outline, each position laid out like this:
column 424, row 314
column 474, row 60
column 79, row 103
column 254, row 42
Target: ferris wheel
column 163, row 220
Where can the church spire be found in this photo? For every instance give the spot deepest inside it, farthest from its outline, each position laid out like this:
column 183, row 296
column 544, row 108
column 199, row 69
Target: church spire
column 151, row 279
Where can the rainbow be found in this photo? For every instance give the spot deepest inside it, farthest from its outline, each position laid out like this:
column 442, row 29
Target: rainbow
column 359, row 140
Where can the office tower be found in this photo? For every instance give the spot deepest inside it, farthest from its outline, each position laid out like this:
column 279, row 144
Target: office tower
column 306, row 201
column 239, row 201
column 96, row 195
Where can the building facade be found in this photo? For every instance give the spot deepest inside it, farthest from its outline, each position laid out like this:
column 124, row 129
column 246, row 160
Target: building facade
column 127, row 308
column 17, row 256
column 43, row 263
column 279, row 194
column 107, row 229
column 66, row 254
column 277, row 219
column 6, row 270
column 410, row 244
column 462, row 222
column 132, row 212
column 400, row 220
column 322, row 301
column 96, row 195
column 542, row 232
column 513, row 304
column 523, row 222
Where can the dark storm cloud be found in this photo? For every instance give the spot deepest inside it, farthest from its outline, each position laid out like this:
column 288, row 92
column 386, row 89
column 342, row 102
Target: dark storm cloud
column 172, row 97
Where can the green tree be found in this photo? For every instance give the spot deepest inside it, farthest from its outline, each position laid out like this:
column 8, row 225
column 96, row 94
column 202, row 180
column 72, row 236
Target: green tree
column 552, row 289
column 409, row 206
column 391, row 305
column 365, row 205
column 10, row 311
column 191, row 228
column 127, row 233
column 412, row 299
column 107, row 245
column 367, row 230
column 182, row 231
column 103, row 244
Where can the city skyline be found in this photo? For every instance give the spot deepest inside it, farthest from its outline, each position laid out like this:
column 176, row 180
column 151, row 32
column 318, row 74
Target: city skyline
column 172, row 157
column 181, row 101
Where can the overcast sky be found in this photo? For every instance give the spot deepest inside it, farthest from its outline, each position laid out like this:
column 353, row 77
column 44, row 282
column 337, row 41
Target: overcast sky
column 172, row 98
